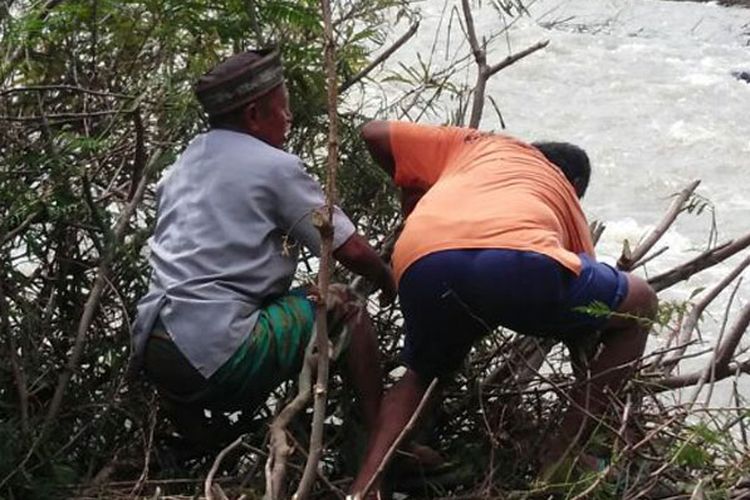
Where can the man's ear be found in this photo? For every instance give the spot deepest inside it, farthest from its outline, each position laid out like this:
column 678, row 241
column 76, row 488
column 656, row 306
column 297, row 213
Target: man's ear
column 250, row 116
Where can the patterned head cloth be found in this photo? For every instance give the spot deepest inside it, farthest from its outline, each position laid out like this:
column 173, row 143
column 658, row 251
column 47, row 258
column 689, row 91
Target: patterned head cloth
column 238, row 80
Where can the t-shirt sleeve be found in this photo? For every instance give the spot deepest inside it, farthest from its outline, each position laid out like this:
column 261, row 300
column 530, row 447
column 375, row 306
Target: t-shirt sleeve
column 422, row 152
column 298, row 196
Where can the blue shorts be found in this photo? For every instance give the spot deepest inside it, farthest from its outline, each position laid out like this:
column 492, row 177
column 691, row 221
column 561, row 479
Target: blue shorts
column 452, row 298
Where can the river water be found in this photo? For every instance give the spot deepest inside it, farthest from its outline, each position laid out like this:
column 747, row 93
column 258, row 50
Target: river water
column 646, row 87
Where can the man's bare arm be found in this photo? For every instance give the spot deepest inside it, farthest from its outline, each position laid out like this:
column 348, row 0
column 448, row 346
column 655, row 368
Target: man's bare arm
column 359, row 257
column 376, row 135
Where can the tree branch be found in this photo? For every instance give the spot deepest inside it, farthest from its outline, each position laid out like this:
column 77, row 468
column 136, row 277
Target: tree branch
column 208, row 486
column 279, row 449
column 722, row 366
column 382, row 57
column 397, row 442
column 92, row 303
column 695, row 314
column 324, row 223
column 703, row 261
column 480, row 57
column 516, row 57
column 628, row 259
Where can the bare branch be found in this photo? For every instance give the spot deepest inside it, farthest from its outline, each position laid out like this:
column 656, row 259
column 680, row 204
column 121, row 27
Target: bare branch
column 729, row 346
column 92, row 303
column 626, row 262
column 695, row 314
column 703, row 261
column 480, row 56
column 720, row 367
column 324, row 224
column 397, row 442
column 690, row 379
column 20, row 228
column 275, row 469
column 516, row 57
column 208, row 486
column 382, row 57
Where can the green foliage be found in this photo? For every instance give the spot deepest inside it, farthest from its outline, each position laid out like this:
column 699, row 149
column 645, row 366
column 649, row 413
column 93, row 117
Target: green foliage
column 92, row 90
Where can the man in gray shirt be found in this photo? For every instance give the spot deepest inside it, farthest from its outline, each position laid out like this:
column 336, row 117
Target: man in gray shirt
column 219, row 327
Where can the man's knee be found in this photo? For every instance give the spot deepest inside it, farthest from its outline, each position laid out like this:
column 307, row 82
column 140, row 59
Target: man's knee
column 343, row 304
column 642, row 298
column 640, row 303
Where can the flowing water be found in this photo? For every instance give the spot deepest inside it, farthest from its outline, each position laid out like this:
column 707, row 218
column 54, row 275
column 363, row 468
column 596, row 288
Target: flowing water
column 646, row 87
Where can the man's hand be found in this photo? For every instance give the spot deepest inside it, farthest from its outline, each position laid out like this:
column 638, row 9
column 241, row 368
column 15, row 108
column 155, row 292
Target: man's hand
column 387, row 286
column 359, row 257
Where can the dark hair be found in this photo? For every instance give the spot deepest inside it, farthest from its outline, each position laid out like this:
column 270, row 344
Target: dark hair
column 235, row 118
column 572, row 160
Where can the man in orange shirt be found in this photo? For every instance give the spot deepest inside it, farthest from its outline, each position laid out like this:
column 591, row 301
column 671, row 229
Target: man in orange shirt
column 496, row 237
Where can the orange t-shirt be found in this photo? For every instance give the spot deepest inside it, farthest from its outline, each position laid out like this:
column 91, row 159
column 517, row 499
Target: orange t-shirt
column 484, row 191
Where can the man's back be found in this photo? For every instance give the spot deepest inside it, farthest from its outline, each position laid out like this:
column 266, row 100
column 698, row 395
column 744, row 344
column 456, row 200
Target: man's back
column 231, row 211
column 485, row 191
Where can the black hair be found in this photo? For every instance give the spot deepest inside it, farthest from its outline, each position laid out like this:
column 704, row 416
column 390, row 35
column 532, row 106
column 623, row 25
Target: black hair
column 232, row 119
column 572, row 160
column 235, row 119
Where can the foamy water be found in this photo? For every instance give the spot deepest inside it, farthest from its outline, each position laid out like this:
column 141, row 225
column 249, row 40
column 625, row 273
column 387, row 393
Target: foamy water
column 645, row 86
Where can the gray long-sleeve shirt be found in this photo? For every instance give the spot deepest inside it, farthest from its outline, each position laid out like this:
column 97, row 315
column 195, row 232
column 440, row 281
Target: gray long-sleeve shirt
column 231, row 212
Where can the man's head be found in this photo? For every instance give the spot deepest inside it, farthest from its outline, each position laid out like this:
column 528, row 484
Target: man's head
column 572, row 160
column 246, row 92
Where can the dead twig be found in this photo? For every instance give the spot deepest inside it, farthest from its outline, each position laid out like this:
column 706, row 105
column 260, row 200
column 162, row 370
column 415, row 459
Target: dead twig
column 279, row 449
column 324, row 223
column 209, row 488
column 628, row 259
column 696, row 312
column 484, row 70
column 382, row 57
column 397, row 442
column 705, row 260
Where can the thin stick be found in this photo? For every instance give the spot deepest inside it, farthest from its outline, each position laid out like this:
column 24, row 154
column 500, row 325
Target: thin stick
column 485, row 71
column 394, row 446
column 147, row 459
column 324, row 224
column 275, row 468
column 695, row 315
column 382, row 57
column 729, row 346
column 703, row 261
column 626, row 262
column 516, row 57
column 208, row 484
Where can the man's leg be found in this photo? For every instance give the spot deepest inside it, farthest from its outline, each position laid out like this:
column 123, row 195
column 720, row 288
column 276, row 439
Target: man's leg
column 440, row 329
column 362, row 356
column 399, row 404
column 623, row 342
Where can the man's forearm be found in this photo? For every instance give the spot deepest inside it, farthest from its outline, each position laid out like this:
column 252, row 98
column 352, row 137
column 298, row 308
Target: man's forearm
column 376, row 135
column 360, row 258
